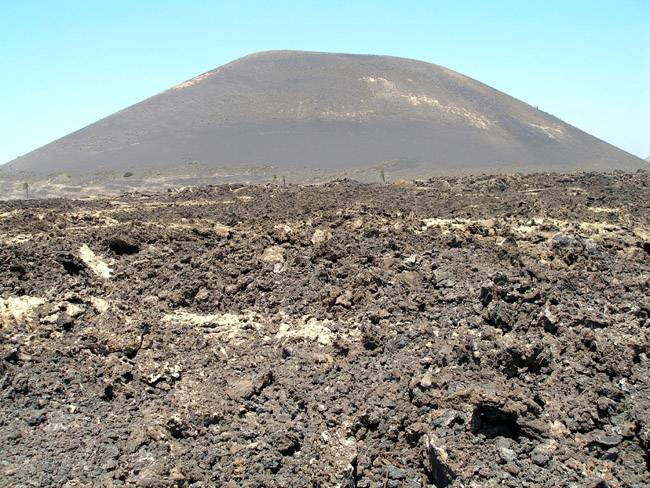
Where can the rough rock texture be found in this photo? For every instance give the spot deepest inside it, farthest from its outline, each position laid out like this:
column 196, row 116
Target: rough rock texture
column 479, row 331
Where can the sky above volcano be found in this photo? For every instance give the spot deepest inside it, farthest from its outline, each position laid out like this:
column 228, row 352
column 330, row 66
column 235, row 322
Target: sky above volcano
column 66, row 63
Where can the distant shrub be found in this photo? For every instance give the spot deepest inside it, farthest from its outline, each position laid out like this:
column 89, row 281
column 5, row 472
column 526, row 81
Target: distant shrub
column 127, row 174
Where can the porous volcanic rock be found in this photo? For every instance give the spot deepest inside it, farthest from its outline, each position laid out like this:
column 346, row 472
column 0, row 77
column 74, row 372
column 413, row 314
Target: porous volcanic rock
column 490, row 331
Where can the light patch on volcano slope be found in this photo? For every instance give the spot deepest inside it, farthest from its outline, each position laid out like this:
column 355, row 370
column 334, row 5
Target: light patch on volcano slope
column 18, row 310
column 347, row 115
column 387, row 89
column 94, row 262
column 194, row 81
column 552, row 132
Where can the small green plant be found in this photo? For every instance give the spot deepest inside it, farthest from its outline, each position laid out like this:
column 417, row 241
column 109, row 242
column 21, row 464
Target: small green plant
column 127, row 174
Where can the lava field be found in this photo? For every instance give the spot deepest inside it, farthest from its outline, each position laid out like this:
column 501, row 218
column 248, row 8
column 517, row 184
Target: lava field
column 456, row 332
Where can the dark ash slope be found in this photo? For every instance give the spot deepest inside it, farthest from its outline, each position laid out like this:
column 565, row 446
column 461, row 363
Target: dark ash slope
column 305, row 110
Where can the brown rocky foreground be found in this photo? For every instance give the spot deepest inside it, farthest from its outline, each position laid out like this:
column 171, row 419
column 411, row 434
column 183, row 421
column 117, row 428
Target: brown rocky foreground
column 474, row 331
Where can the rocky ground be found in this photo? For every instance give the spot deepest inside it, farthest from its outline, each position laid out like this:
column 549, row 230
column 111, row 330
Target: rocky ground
column 465, row 332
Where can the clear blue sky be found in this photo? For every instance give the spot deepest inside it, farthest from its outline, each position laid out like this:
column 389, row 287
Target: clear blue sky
column 68, row 63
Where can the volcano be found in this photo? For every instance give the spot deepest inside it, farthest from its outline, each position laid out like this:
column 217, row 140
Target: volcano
column 309, row 111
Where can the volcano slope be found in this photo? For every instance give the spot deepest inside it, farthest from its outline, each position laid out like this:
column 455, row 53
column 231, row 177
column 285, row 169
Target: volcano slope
column 307, row 113
column 473, row 331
